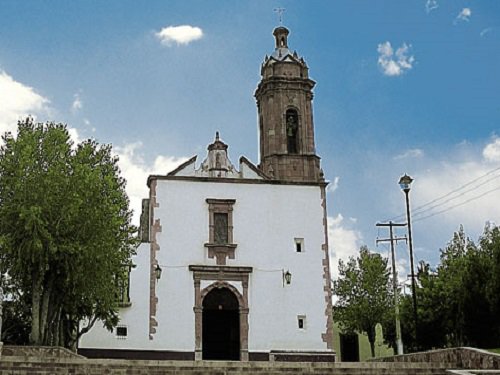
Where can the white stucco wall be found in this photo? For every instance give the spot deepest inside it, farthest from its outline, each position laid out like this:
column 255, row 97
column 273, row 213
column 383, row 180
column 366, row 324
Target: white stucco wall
column 135, row 317
column 266, row 219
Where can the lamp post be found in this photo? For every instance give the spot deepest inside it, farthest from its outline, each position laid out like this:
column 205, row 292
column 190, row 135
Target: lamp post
column 405, row 184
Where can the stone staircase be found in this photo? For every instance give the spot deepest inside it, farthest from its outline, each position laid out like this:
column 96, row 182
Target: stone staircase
column 29, row 360
column 27, row 365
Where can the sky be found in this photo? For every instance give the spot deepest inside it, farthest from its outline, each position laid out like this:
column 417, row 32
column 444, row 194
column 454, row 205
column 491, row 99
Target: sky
column 401, row 87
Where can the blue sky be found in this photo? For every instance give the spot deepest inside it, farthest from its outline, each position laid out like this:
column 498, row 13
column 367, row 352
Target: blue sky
column 402, row 87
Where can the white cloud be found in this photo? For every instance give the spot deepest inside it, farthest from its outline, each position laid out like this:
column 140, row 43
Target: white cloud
column 485, row 31
column 136, row 171
column 491, row 152
column 468, row 189
column 183, row 34
column 17, row 102
column 343, row 241
column 431, row 5
column 411, row 153
column 74, row 135
column 333, row 185
column 77, row 103
column 394, row 63
column 464, row 15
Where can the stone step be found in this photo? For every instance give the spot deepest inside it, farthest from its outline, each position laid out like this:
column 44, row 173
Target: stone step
column 77, row 366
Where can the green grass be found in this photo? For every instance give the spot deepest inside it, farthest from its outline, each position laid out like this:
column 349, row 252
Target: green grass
column 494, row 350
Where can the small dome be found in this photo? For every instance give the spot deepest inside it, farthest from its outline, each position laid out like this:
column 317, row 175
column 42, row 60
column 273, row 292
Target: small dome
column 281, row 35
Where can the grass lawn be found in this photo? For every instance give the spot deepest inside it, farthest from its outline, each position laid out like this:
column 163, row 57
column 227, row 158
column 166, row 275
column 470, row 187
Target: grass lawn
column 495, row 350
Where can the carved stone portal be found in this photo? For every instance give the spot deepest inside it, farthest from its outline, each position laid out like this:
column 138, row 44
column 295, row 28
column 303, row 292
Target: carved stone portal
column 221, row 277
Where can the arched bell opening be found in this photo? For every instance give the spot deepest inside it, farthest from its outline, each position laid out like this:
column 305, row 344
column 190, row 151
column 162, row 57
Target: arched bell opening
column 292, row 131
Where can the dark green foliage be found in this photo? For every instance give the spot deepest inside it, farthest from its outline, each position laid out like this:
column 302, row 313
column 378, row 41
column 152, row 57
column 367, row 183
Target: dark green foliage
column 458, row 304
column 65, row 229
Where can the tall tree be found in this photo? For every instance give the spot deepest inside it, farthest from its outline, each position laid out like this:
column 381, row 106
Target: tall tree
column 65, row 229
column 364, row 296
column 459, row 303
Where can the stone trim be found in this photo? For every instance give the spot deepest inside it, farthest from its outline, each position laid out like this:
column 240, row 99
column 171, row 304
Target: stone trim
column 327, row 336
column 216, row 250
column 182, row 166
column 249, row 164
column 129, row 354
column 152, row 178
column 221, row 275
column 154, row 248
column 300, row 356
column 170, row 355
column 220, row 252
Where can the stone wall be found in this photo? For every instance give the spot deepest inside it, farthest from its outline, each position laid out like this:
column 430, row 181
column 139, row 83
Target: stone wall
column 38, row 352
column 466, row 358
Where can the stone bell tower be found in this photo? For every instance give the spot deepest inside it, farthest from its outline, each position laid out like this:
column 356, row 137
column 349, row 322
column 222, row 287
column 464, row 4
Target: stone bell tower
column 284, row 100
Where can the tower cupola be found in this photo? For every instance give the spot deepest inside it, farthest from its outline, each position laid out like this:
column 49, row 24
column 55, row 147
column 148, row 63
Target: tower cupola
column 281, row 35
column 284, row 100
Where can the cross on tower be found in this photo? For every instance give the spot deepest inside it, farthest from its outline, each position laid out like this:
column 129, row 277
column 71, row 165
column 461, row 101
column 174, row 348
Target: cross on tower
column 280, row 12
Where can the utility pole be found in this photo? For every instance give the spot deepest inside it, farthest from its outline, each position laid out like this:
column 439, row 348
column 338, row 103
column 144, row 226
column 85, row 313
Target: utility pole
column 392, row 239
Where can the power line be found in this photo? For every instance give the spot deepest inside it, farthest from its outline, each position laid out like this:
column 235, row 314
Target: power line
column 422, row 208
column 452, row 198
column 458, row 205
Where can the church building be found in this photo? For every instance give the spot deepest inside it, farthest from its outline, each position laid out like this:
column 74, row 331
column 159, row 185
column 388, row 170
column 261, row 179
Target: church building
column 234, row 261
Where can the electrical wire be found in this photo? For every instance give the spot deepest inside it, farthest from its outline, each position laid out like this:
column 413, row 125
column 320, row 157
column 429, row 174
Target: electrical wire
column 458, row 205
column 424, row 207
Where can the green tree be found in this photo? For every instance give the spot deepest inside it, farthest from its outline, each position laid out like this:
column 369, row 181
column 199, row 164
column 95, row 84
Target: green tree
column 65, row 229
column 458, row 304
column 364, row 295
column 490, row 244
column 431, row 313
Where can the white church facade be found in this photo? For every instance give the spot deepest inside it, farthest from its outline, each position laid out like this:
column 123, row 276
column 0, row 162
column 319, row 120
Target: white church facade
column 234, row 263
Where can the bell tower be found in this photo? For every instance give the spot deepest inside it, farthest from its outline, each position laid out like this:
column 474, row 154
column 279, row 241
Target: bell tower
column 286, row 129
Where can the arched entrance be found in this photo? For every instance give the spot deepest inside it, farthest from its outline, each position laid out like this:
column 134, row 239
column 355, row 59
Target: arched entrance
column 221, row 325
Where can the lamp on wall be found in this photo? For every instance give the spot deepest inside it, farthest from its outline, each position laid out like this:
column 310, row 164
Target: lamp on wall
column 287, row 277
column 158, row 272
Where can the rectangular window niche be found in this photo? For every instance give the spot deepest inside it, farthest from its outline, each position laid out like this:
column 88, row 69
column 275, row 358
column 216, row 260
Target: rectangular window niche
column 220, row 235
column 121, row 332
column 299, row 245
column 301, row 322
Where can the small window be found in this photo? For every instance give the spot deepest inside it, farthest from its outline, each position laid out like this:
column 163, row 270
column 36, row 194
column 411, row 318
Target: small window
column 299, row 245
column 121, row 332
column 301, row 321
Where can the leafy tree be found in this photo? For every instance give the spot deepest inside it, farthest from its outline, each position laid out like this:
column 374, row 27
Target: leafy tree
column 490, row 244
column 458, row 304
column 451, row 273
column 431, row 313
column 364, row 294
column 65, row 229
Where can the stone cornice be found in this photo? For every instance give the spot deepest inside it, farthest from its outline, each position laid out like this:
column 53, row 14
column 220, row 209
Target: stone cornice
column 236, row 180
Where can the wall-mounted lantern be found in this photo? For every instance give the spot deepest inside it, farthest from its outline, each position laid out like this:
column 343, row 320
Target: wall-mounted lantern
column 158, row 272
column 287, row 277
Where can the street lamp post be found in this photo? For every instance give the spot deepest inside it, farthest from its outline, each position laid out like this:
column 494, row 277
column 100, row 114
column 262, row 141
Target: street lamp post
column 405, row 183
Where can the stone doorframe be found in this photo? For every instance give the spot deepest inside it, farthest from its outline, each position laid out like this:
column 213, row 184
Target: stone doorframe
column 220, row 275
